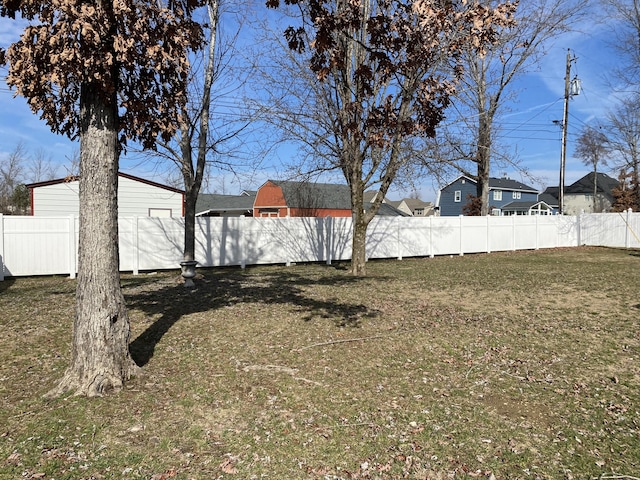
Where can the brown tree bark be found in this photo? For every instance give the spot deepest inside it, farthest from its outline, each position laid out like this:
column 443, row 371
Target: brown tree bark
column 359, row 231
column 100, row 359
column 484, row 163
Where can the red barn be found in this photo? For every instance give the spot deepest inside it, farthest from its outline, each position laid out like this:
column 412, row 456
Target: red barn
column 302, row 199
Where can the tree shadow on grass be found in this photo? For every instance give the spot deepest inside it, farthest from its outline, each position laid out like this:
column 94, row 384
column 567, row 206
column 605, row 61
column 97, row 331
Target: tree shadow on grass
column 216, row 290
column 6, row 283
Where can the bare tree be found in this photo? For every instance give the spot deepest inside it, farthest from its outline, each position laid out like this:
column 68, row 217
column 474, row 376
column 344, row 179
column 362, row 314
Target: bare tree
column 623, row 134
column 624, row 15
column 103, row 72
column 18, row 168
column 12, row 174
column 592, row 147
column 203, row 139
column 41, row 167
column 381, row 66
column 486, row 84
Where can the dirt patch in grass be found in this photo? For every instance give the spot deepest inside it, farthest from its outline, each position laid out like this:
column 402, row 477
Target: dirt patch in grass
column 517, row 365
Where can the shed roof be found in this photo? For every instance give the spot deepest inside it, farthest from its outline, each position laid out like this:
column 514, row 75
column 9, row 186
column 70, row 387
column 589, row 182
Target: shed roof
column 75, row 178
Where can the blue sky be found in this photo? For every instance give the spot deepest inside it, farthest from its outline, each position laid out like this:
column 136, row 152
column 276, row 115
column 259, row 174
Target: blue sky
column 529, row 126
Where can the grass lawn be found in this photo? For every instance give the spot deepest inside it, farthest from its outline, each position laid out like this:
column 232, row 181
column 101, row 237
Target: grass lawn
column 511, row 365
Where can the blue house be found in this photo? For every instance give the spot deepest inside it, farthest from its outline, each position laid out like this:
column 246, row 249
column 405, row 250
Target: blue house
column 502, row 191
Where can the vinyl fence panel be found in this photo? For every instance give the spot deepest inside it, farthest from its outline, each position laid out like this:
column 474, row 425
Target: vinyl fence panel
column 48, row 245
column 446, row 236
column 620, row 229
column 39, row 245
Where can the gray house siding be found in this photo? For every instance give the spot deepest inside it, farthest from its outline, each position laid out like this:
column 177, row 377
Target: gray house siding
column 448, row 205
column 508, row 197
column 502, row 191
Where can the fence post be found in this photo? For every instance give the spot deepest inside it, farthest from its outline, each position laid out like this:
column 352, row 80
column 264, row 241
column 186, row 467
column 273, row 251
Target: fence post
column 135, row 246
column 1, row 247
column 579, row 229
column 399, row 227
column 537, row 232
column 73, row 265
column 627, row 236
column 241, row 242
column 461, row 217
column 328, row 235
column 431, row 254
column 287, row 225
column 488, row 233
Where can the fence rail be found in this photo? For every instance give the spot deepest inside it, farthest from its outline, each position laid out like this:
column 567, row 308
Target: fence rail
column 49, row 245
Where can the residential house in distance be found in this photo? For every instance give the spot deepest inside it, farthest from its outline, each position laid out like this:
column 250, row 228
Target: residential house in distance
column 136, row 197
column 414, row 207
column 550, row 197
column 409, row 206
column 506, row 196
column 215, row 205
column 306, row 199
column 579, row 196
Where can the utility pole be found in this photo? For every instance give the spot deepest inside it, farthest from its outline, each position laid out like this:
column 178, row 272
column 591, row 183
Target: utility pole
column 571, row 88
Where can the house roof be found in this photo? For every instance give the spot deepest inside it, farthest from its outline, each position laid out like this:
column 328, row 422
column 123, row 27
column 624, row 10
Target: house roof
column 315, row 195
column 509, row 184
column 75, row 178
column 604, row 183
column 212, row 202
column 325, row 195
column 387, row 210
column 370, row 196
column 523, row 206
column 414, row 203
column 498, row 184
column 549, row 198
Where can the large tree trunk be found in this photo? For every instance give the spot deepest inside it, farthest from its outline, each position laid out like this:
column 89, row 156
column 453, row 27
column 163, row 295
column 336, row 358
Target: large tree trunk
column 360, row 224
column 190, row 225
column 100, row 359
column 484, row 163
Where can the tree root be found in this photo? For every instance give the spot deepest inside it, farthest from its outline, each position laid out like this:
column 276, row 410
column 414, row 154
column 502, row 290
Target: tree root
column 96, row 385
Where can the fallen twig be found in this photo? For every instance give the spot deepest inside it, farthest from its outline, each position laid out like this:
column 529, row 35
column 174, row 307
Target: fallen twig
column 333, row 342
column 281, row 369
column 616, row 476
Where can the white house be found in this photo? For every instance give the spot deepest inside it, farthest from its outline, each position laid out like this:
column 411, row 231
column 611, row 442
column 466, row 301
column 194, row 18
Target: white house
column 136, row 197
column 414, row 207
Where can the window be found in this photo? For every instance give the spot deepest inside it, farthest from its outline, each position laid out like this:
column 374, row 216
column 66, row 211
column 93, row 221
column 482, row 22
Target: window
column 457, row 196
column 517, row 195
column 497, row 195
column 268, row 212
column 160, row 212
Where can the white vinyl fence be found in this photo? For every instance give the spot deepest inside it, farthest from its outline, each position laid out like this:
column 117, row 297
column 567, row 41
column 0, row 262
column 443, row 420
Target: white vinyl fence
column 48, row 245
